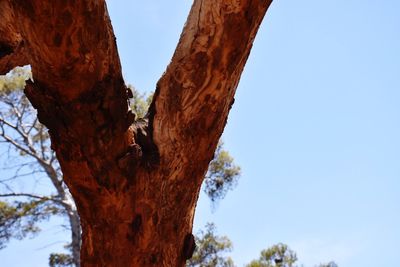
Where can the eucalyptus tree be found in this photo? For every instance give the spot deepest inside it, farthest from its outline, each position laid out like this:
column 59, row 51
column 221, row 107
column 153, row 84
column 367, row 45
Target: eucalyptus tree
column 22, row 133
column 135, row 182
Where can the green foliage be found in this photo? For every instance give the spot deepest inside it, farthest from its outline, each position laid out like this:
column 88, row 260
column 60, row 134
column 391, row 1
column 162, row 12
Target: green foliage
column 210, row 249
column 222, row 174
column 278, row 255
column 21, row 130
column 15, row 79
column 19, row 219
column 60, row 260
column 139, row 102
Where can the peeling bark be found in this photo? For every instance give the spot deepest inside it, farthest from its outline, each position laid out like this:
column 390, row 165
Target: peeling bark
column 135, row 183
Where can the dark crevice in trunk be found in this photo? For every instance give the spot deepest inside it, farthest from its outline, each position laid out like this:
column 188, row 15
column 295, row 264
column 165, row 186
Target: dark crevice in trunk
column 143, row 137
column 5, row 50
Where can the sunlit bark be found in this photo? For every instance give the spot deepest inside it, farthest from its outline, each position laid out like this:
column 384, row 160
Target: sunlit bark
column 135, row 182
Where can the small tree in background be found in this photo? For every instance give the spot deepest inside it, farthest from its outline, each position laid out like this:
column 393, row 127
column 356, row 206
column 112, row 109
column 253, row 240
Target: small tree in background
column 210, row 249
column 280, row 255
column 29, row 153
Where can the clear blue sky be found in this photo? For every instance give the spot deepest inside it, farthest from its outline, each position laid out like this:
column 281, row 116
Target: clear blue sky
column 315, row 128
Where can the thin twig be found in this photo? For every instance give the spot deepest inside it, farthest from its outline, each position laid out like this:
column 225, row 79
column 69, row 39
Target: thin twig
column 20, row 147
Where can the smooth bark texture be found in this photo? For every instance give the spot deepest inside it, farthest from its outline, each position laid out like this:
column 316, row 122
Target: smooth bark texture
column 135, row 182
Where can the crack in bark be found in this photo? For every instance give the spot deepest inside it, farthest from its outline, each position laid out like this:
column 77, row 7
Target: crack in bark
column 189, row 245
column 143, row 137
column 5, row 50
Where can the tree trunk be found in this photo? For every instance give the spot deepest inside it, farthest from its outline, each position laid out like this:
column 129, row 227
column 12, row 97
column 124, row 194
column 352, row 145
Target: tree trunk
column 69, row 206
column 76, row 238
column 135, row 182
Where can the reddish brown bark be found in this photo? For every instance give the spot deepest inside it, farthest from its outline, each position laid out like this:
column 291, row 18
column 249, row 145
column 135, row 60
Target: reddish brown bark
column 135, row 183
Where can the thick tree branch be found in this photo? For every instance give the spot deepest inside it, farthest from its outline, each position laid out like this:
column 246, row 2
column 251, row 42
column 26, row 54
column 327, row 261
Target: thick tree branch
column 76, row 68
column 194, row 95
column 78, row 39
column 11, row 42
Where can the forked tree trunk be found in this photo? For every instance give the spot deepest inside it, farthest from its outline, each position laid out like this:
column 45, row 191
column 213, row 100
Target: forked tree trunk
column 135, row 182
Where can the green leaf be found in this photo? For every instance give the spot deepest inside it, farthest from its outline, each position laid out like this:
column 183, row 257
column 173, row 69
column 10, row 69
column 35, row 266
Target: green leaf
column 20, row 219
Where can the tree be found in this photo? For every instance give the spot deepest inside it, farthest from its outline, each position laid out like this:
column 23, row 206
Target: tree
column 210, row 249
column 22, row 217
column 280, row 255
column 135, row 182
column 22, row 132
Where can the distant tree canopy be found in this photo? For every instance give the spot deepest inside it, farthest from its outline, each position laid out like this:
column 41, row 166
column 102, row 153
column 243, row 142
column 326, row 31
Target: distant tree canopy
column 211, row 249
column 15, row 80
column 20, row 218
column 276, row 256
column 280, row 255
